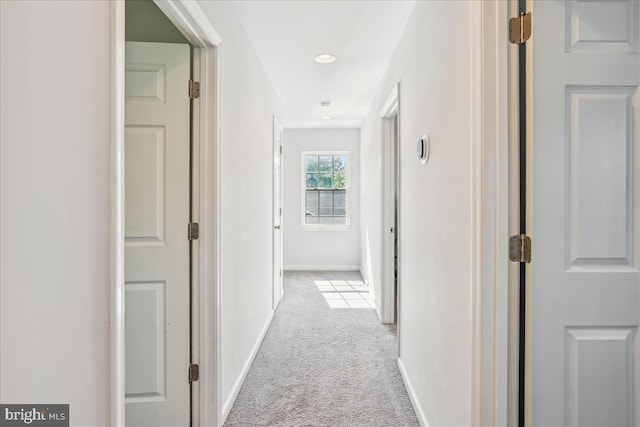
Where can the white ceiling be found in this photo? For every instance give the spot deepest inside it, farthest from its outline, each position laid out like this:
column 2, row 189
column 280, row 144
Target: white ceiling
column 288, row 34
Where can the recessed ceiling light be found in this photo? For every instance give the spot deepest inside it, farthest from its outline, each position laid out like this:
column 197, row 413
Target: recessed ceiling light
column 325, row 58
column 326, row 117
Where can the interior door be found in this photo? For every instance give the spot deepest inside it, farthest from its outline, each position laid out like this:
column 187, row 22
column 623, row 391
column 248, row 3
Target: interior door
column 156, row 246
column 585, row 231
column 389, row 313
column 395, row 162
column 277, row 214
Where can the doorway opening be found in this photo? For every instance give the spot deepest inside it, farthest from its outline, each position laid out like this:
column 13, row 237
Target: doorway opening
column 199, row 328
column 158, row 154
column 278, row 252
column 390, row 262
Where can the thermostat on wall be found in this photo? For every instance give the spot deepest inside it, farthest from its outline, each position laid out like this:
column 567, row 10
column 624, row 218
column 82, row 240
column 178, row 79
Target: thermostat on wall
column 423, row 149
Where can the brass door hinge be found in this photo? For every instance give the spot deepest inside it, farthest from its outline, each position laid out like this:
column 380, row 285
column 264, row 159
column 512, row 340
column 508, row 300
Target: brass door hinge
column 520, row 28
column 193, row 231
column 520, row 248
column 194, row 89
column 194, row 372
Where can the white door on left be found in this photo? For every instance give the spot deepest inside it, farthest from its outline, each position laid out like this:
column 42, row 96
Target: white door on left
column 156, row 246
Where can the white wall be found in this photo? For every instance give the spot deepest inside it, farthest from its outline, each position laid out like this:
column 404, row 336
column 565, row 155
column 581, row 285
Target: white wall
column 432, row 64
column 309, row 249
column 55, row 206
column 249, row 103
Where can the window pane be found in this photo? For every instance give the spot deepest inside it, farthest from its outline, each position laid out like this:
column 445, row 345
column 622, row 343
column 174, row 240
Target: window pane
column 312, row 180
column 340, row 203
column 339, row 180
column 325, row 180
column 325, row 200
column 324, row 163
column 311, row 204
column 340, row 197
column 340, row 220
column 326, row 220
column 326, row 203
column 311, row 163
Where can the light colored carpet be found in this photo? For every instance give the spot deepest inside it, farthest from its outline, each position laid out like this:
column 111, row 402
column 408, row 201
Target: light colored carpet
column 322, row 366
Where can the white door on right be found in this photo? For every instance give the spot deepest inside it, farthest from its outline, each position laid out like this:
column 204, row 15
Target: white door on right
column 585, row 230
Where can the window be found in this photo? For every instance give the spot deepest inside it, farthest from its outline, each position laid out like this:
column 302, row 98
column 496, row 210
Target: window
column 326, row 187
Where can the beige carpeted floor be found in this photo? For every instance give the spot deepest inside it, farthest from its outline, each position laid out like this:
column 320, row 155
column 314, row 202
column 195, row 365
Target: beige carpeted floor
column 323, row 366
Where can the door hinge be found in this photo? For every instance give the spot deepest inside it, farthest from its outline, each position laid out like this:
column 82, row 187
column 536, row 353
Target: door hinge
column 520, row 248
column 281, row 149
column 194, row 89
column 520, row 28
column 193, row 231
column 194, row 372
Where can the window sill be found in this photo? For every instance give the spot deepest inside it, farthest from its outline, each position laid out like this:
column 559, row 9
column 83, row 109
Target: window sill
column 326, row 227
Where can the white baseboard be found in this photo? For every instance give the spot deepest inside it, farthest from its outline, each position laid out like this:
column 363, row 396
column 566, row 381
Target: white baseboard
column 422, row 417
column 245, row 370
column 322, row 268
column 377, row 312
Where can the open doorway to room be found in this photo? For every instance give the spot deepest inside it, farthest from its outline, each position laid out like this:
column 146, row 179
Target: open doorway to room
column 158, row 192
column 278, row 288
column 390, row 260
column 322, row 213
column 165, row 207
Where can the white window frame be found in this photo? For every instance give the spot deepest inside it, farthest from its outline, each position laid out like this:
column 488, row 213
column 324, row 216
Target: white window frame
column 303, row 180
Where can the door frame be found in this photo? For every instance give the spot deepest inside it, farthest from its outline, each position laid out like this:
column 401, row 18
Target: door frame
column 389, row 111
column 511, row 87
column 277, row 130
column 189, row 18
column 493, row 206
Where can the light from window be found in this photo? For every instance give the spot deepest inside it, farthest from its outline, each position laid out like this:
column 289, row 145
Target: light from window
column 325, row 190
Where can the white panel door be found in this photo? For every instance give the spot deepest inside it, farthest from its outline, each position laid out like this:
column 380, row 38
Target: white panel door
column 156, row 245
column 277, row 213
column 585, row 283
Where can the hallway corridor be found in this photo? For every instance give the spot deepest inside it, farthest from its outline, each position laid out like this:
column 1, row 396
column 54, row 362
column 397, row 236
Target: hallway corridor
column 324, row 366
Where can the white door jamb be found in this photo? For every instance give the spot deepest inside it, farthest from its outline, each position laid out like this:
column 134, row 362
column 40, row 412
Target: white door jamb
column 491, row 224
